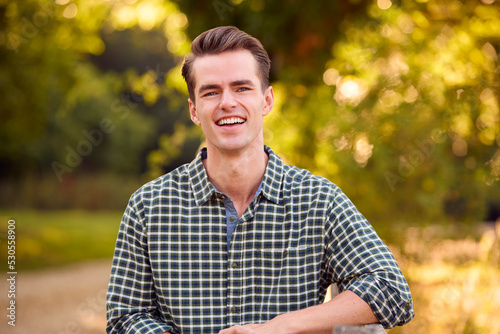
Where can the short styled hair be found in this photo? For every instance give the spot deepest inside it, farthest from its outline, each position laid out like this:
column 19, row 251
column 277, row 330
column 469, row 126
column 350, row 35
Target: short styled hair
column 222, row 39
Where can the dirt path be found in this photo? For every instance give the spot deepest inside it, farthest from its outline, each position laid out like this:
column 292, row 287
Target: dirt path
column 69, row 300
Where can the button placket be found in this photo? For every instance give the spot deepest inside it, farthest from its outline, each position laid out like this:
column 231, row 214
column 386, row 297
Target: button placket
column 233, row 285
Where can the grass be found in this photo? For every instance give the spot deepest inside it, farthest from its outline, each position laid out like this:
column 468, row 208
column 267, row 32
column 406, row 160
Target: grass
column 55, row 238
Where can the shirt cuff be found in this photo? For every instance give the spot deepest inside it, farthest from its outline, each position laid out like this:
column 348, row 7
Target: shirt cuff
column 148, row 325
column 390, row 307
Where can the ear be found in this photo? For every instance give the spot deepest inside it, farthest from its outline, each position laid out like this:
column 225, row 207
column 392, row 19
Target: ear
column 269, row 101
column 193, row 113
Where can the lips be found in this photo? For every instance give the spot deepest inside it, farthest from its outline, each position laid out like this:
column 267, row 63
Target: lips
column 230, row 121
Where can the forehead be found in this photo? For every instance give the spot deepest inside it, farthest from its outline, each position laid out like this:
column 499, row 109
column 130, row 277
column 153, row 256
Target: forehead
column 225, row 67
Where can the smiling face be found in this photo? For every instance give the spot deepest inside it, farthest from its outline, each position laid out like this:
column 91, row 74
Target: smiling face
column 229, row 101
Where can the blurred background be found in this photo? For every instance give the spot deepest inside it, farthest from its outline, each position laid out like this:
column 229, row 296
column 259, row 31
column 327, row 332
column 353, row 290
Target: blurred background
column 397, row 102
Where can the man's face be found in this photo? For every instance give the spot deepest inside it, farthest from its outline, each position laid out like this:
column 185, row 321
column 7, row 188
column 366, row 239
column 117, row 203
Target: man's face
column 230, row 104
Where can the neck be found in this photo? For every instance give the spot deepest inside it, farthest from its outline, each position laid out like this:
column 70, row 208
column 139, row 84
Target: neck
column 237, row 175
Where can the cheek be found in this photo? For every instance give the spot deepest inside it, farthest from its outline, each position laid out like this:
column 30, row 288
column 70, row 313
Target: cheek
column 204, row 119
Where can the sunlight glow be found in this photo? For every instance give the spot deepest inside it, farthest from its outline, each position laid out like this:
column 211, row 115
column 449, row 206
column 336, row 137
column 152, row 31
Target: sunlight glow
column 362, row 150
column 410, row 94
column 384, row 4
column 70, row 11
column 350, row 91
column 461, row 124
column 147, row 15
column 177, row 21
column 489, row 51
column 488, row 120
column 343, row 143
column 124, row 17
column 175, row 42
column 331, row 76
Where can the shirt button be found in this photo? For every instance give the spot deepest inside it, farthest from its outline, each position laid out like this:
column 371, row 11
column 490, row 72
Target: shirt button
column 285, row 253
column 234, row 265
column 231, row 219
column 234, row 309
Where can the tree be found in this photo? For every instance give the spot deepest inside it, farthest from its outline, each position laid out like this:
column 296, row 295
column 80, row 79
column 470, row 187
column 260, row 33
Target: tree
column 58, row 88
column 395, row 101
column 408, row 121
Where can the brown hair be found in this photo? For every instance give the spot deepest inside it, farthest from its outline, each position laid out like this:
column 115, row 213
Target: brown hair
column 221, row 39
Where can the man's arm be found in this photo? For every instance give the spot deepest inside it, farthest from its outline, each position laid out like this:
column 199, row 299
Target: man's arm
column 359, row 261
column 131, row 300
column 345, row 309
column 373, row 289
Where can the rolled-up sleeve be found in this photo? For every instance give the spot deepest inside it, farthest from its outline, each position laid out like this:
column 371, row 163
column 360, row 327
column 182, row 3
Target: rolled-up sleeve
column 359, row 261
column 131, row 301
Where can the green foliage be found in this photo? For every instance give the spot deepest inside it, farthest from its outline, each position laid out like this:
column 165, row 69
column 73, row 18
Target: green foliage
column 85, row 191
column 69, row 107
column 396, row 102
column 412, row 128
column 37, row 72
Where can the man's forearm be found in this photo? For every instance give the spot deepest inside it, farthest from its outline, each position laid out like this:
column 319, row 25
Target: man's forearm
column 345, row 309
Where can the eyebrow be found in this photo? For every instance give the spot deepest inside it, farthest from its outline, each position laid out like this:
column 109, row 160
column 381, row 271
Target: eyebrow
column 236, row 83
column 207, row 87
column 242, row 83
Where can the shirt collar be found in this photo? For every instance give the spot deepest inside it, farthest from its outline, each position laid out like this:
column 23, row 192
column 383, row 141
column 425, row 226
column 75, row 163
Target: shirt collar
column 203, row 189
column 271, row 183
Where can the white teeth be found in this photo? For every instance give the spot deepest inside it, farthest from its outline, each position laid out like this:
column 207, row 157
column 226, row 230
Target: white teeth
column 232, row 120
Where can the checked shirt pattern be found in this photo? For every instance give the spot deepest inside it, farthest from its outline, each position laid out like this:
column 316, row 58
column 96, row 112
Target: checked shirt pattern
column 172, row 269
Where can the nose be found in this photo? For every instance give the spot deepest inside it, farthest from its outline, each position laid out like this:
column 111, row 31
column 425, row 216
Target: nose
column 228, row 101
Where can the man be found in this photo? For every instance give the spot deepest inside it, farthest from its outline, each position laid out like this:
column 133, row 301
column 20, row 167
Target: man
column 238, row 242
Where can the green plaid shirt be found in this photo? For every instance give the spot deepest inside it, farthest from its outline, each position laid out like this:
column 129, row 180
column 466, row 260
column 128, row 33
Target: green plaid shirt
column 172, row 269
